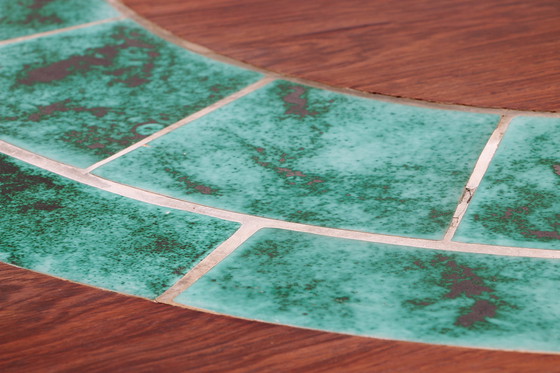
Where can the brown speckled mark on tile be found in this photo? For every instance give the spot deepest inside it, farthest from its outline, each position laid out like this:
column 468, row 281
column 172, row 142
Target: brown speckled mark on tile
column 462, row 280
column 136, row 83
column 296, row 103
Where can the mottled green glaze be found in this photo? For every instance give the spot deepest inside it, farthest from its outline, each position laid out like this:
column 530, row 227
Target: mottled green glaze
column 518, row 201
column 26, row 17
column 81, row 96
column 387, row 291
column 57, row 226
column 318, row 157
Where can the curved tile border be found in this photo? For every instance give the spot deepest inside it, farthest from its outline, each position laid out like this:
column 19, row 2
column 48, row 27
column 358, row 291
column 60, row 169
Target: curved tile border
column 465, row 52
column 299, row 113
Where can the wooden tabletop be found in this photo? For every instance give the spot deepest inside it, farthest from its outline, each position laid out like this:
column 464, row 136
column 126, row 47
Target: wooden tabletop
column 500, row 54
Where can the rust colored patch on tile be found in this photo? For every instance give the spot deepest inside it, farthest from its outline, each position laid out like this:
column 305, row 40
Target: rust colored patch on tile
column 297, row 104
column 544, row 234
column 63, row 106
column 102, row 56
column 38, row 4
column 191, row 185
column 463, row 282
column 481, row 310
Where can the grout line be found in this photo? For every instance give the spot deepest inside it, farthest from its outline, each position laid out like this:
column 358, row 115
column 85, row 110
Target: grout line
column 77, row 174
column 59, row 31
column 196, row 48
column 237, row 95
column 479, row 170
column 213, row 259
column 420, row 243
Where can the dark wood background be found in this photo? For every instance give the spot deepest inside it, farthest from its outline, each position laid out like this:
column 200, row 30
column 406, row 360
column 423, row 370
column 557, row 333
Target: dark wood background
column 498, row 53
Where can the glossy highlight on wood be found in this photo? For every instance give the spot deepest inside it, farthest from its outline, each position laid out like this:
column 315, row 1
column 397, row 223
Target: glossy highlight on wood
column 501, row 54
column 47, row 324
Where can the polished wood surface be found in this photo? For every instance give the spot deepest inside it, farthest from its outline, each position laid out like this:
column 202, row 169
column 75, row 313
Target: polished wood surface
column 500, row 53
column 52, row 325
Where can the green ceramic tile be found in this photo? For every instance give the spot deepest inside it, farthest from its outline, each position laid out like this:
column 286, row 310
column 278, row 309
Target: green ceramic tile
column 57, row 226
column 387, row 291
column 81, row 96
column 518, row 201
column 26, row 17
column 318, row 157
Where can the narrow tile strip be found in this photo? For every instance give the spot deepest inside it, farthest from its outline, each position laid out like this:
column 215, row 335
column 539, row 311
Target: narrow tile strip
column 478, row 173
column 237, row 95
column 60, row 30
column 214, row 258
column 79, row 175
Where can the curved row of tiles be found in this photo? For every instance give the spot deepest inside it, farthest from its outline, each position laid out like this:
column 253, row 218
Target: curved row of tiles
column 285, row 151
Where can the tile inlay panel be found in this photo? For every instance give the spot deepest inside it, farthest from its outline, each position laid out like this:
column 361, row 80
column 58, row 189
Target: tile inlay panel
column 74, row 98
column 312, row 156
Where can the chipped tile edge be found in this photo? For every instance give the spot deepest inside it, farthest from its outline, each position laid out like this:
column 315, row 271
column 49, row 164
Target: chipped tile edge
column 477, row 175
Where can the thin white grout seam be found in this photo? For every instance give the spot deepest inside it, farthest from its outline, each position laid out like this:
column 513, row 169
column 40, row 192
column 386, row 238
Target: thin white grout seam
column 237, row 95
column 479, row 170
column 60, row 30
column 78, row 175
column 213, row 259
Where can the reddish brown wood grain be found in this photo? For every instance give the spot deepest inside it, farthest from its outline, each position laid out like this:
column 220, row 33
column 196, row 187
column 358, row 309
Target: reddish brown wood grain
column 51, row 325
column 500, row 53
